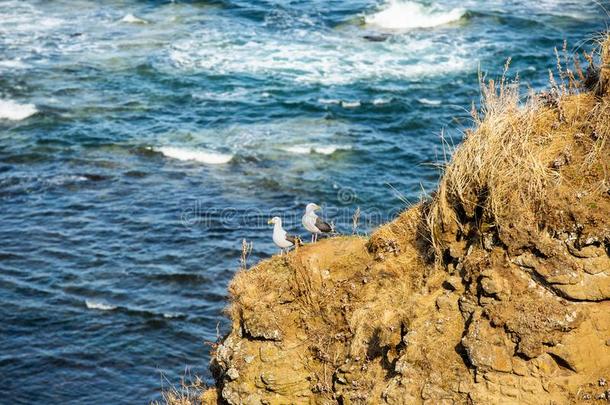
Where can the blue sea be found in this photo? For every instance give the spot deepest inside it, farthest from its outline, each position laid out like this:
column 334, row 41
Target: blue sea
column 142, row 141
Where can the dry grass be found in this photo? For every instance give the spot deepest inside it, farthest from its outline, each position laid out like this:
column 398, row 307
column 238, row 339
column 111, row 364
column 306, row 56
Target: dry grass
column 187, row 393
column 602, row 129
column 502, row 167
column 246, row 250
column 495, row 169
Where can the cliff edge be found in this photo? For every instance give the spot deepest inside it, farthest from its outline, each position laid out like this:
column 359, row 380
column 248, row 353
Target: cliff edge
column 495, row 291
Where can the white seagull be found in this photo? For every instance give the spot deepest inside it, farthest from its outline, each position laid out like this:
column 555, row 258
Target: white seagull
column 280, row 237
column 313, row 223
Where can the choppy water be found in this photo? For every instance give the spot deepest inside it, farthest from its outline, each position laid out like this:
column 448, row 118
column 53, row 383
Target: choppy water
column 136, row 138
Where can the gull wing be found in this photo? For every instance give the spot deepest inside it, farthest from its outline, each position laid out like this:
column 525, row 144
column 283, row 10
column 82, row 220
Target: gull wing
column 323, row 226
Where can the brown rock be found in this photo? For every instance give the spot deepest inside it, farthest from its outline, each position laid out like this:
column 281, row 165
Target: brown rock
column 497, row 291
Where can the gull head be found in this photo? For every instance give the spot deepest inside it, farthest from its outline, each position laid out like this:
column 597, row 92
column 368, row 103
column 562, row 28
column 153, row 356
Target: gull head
column 311, row 207
column 275, row 220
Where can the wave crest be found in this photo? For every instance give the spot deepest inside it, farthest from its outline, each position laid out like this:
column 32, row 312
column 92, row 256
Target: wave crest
column 10, row 110
column 132, row 19
column 198, row 155
column 428, row 101
column 320, row 149
column 401, row 15
column 99, row 305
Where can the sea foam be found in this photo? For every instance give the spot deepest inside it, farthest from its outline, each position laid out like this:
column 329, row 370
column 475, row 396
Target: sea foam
column 12, row 64
column 402, row 15
column 10, row 110
column 381, row 101
column 329, row 101
column 350, row 104
column 199, row 155
column 326, row 57
column 102, row 306
column 132, row 19
column 428, row 101
column 320, row 149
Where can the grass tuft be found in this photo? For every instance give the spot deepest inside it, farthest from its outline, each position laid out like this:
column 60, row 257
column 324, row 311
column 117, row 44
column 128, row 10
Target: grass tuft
column 507, row 163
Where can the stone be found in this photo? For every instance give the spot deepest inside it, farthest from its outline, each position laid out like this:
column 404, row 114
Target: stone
column 232, row 373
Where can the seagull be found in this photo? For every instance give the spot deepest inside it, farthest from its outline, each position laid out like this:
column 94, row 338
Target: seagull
column 280, row 237
column 313, row 223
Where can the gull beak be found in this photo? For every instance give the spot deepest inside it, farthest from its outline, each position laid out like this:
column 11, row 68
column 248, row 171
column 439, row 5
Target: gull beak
column 317, row 208
column 270, row 221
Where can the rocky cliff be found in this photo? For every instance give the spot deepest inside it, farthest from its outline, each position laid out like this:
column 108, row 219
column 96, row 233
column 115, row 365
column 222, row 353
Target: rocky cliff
column 495, row 291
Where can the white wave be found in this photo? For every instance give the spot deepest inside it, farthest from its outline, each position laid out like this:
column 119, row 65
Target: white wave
column 329, row 101
column 381, row 101
column 350, row 104
column 323, row 57
column 298, row 150
column 65, row 179
column 132, row 19
column 320, row 149
column 428, row 101
column 10, row 110
column 401, row 15
column 170, row 315
column 198, row 155
column 99, row 305
column 13, row 64
column 329, row 150
column 234, row 95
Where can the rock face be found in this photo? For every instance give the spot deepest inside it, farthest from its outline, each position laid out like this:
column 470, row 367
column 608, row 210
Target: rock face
column 497, row 291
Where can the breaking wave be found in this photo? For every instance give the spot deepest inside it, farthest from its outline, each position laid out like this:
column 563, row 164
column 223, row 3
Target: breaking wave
column 10, row 110
column 402, row 15
column 198, row 155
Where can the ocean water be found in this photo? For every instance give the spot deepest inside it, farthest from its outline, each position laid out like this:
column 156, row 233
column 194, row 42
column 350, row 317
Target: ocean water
column 142, row 141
